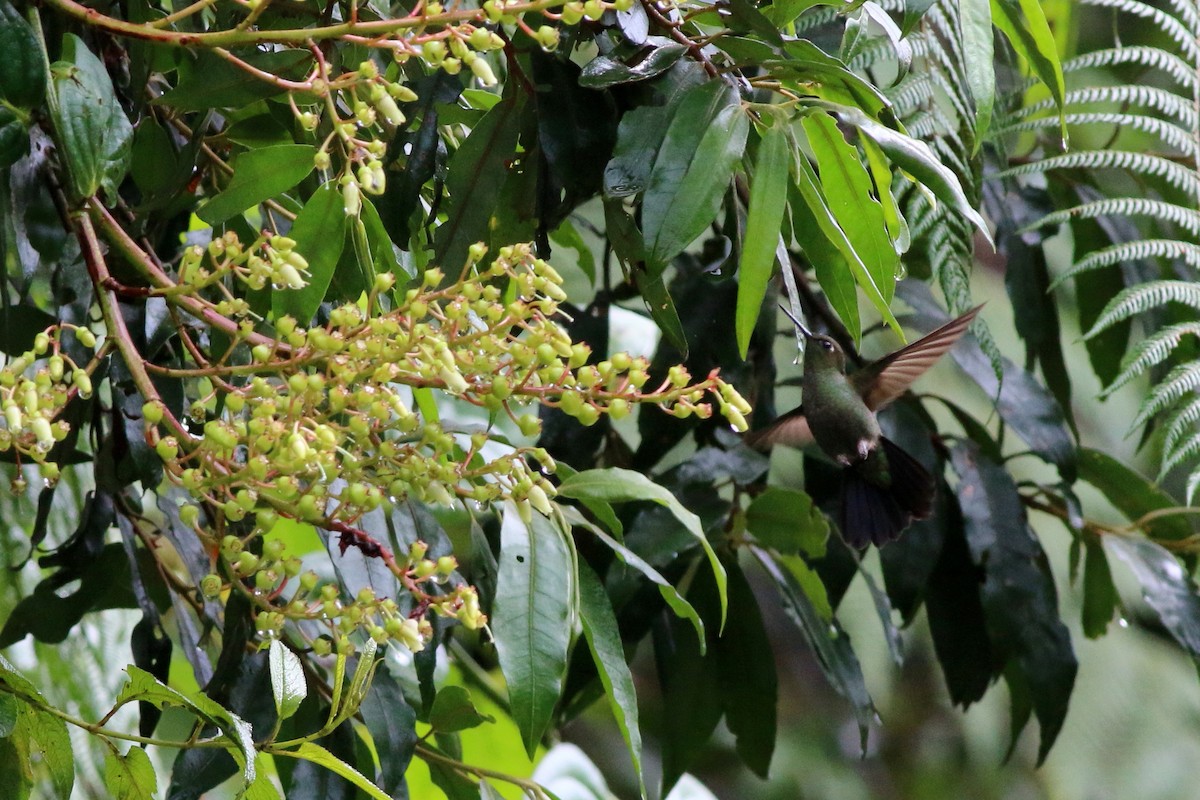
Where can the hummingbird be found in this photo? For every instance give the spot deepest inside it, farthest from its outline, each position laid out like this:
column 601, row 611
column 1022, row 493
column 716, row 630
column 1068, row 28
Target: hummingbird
column 883, row 487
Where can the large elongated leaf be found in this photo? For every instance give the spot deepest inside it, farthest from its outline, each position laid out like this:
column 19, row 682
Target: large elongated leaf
column 617, row 485
column 1133, row 494
column 1165, row 586
column 22, row 74
column 975, row 21
column 1018, row 593
column 768, row 197
column 91, row 127
column 259, row 175
column 1024, row 23
column 746, row 675
column 604, row 641
column 320, row 235
column 309, row 751
column 848, row 191
column 534, row 607
column 692, row 170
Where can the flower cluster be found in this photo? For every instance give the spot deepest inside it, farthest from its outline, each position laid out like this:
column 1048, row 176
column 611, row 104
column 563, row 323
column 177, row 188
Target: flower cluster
column 34, row 388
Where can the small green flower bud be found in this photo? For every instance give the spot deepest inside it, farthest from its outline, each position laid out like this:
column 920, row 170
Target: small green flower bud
column 85, row 337
column 211, row 586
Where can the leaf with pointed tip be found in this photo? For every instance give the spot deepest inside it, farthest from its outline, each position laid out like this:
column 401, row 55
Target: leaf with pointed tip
column 1166, row 587
column 309, row 751
column 768, row 198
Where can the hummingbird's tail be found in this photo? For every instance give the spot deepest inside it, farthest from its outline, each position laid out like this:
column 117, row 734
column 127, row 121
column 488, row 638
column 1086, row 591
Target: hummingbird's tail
column 875, row 513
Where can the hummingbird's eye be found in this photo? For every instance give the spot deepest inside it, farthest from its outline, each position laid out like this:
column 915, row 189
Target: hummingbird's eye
column 828, row 345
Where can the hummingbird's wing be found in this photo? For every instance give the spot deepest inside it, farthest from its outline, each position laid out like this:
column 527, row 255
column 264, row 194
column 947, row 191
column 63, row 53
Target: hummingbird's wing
column 882, row 381
column 791, row 429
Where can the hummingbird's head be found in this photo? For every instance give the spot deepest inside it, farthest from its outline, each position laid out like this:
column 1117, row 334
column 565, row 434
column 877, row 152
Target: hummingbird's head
column 823, row 353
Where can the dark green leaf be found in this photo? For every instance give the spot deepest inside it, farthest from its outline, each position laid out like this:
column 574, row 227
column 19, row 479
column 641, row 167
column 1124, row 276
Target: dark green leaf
column 391, row 722
column 91, row 127
column 320, row 235
column 639, row 135
column 787, row 520
column 768, row 197
column 478, row 170
column 1166, row 587
column 604, row 641
column 210, row 81
column 746, row 674
column 14, row 139
column 1099, row 594
column 692, row 170
column 531, row 620
column 832, row 269
column 259, row 175
column 604, row 71
column 1018, row 592
column 22, row 71
column 20, row 325
column 913, row 11
column 453, row 711
column 1132, row 494
column 662, row 309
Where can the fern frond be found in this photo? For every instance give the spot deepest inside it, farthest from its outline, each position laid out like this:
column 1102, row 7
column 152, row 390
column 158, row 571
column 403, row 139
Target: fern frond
column 1129, row 207
column 1150, row 57
column 1193, row 483
column 1171, row 135
column 1181, row 422
column 1186, row 451
column 1180, row 34
column 1187, row 11
column 1179, row 381
column 1149, row 352
column 1132, row 251
column 1143, row 297
column 911, row 94
column 1126, row 95
column 1145, row 164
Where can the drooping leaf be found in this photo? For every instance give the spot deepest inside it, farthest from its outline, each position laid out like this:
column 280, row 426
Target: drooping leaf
column 788, row 521
column 310, row 751
column 320, row 235
column 259, row 175
column 1132, row 494
column 1023, row 22
column 746, row 676
column 391, row 722
column 1099, row 593
column 604, row 642
column 1166, row 587
column 975, row 21
column 454, row 711
column 768, row 198
column 532, row 618
column 692, row 170
column 91, row 127
column 831, row 266
column 657, row 57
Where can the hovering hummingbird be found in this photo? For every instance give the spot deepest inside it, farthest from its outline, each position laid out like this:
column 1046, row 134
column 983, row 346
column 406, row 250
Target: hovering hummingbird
column 883, row 487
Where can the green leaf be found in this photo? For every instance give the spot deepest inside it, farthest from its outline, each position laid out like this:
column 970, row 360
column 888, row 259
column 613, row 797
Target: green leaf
column 812, row 72
column 383, row 251
column 14, row 139
column 1133, row 495
column 93, row 133
column 786, row 520
column 1099, row 594
column 692, row 170
column 309, row 751
column 810, row 582
column 1166, row 587
column 477, row 173
column 130, row 776
column 918, row 160
column 391, row 721
column 604, row 71
column 144, row 687
column 9, row 707
column 768, row 197
column 914, row 10
column 320, row 235
column 749, row 686
column 604, row 641
column 288, row 685
column 639, row 135
column 38, row 730
column 975, row 21
column 1018, row 591
column 662, row 309
column 22, row 70
column 568, row 236
column 615, row 485
column 532, row 618
column 830, row 644
column 16, row 771
column 834, row 275
column 453, row 711
column 1024, row 23
column 682, row 608
column 209, row 81
column 810, row 192
column 259, row 175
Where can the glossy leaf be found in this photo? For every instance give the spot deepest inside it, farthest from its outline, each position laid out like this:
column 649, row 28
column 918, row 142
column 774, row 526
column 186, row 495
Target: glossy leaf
column 604, row 71
column 391, row 722
column 1018, row 592
column 130, row 776
column 788, row 521
column 259, row 175
column 1133, row 495
column 832, row 268
column 1166, row 586
column 532, row 618
column 1099, row 594
column 320, row 235
column 453, row 711
column 91, row 127
column 1023, row 22
column 848, row 189
column 310, row 751
column 22, row 72
column 639, row 135
column 975, row 22
column 288, row 685
column 768, row 198
column 692, row 170
column 604, row 641
column 616, row 485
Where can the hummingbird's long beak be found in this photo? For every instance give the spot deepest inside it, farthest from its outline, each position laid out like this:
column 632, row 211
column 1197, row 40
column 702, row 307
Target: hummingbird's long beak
column 803, row 328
